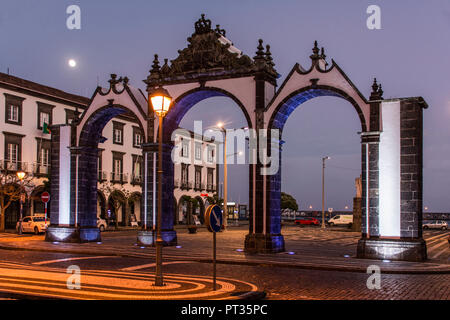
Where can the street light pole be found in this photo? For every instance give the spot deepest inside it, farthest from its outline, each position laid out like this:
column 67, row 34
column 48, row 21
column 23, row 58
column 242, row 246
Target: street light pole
column 160, row 100
column 323, row 190
column 159, row 241
column 225, row 178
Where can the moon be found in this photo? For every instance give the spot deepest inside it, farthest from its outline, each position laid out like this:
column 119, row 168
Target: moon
column 72, row 63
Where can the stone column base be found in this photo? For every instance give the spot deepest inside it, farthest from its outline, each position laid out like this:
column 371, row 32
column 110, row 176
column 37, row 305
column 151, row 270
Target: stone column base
column 260, row 243
column 62, row 234
column 90, row 235
column 146, row 238
column 392, row 249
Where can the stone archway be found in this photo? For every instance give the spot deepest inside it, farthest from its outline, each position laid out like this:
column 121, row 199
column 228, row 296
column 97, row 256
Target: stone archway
column 390, row 136
column 74, row 162
column 210, row 65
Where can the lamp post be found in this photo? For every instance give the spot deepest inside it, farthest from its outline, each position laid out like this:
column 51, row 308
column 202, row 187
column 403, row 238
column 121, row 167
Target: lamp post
column 21, row 175
column 323, row 190
column 160, row 101
column 221, row 127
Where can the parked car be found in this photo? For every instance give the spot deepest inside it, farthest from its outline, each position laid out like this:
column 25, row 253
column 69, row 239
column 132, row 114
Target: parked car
column 307, row 221
column 101, row 224
column 342, row 219
column 438, row 224
column 36, row 224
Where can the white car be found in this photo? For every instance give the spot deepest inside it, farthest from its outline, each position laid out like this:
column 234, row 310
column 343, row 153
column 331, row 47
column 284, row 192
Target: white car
column 342, row 219
column 439, row 224
column 101, row 224
column 36, row 224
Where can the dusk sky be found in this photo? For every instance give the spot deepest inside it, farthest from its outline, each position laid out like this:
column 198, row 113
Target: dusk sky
column 409, row 56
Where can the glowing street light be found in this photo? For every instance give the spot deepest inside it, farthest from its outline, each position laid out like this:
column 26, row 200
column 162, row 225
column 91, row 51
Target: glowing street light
column 160, row 100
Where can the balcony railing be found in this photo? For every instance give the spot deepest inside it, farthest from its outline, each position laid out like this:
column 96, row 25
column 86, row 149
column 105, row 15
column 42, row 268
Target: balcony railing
column 102, row 176
column 186, row 185
column 176, row 183
column 41, row 169
column 137, row 179
column 210, row 187
column 12, row 166
column 119, row 177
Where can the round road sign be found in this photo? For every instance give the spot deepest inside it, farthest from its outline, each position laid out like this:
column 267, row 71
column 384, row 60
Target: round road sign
column 213, row 218
column 45, row 197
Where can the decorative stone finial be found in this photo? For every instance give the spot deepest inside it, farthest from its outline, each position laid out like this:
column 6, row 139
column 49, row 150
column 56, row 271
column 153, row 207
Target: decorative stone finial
column 380, row 92
column 377, row 92
column 165, row 69
column 269, row 58
column 202, row 25
column 222, row 32
column 113, row 81
column 260, row 51
column 322, row 54
column 155, row 66
column 315, row 56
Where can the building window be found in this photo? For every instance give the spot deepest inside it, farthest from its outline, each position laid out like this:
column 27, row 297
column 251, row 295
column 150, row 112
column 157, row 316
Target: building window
column 13, row 151
column 13, row 114
column 117, row 170
column 210, row 180
column 198, row 178
column 137, row 137
column 44, row 117
column 13, row 109
column 184, row 176
column 118, row 132
column 70, row 115
column 44, row 114
column 185, row 148
column 137, row 169
column 117, row 173
column 198, row 151
column 211, row 155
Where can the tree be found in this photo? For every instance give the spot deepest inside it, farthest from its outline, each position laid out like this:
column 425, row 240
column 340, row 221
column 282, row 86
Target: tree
column 11, row 187
column 288, row 202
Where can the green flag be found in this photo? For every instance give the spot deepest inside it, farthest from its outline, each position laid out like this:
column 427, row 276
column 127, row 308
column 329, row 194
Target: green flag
column 45, row 128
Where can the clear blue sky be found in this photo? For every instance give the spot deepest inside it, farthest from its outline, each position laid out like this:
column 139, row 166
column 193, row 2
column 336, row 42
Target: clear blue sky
column 409, row 56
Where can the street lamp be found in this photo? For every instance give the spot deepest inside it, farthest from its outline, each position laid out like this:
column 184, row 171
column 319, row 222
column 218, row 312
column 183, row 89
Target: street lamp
column 21, row 175
column 323, row 190
column 160, row 101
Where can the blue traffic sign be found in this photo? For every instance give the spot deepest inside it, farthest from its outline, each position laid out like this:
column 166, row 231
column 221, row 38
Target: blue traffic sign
column 213, row 218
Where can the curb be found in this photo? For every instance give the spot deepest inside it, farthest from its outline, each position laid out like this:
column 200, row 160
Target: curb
column 248, row 263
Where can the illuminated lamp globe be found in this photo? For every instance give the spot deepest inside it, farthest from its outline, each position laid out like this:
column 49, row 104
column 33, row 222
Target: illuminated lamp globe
column 160, row 100
column 20, row 175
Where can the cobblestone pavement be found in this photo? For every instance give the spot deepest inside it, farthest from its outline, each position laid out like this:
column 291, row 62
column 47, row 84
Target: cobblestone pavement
column 278, row 283
column 330, row 249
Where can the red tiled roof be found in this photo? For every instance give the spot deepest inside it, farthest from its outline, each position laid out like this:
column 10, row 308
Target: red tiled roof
column 45, row 90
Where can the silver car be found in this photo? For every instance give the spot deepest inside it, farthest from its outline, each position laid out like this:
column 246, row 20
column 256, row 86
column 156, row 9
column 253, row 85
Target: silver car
column 438, row 224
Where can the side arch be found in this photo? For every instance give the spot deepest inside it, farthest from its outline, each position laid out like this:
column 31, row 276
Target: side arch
column 281, row 113
column 184, row 102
